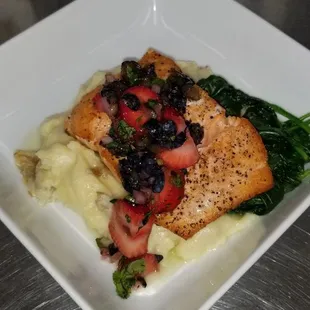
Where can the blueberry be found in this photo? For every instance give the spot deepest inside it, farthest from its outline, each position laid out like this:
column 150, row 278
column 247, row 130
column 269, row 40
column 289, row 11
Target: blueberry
column 150, row 71
column 178, row 79
column 159, row 183
column 169, row 128
column 175, row 98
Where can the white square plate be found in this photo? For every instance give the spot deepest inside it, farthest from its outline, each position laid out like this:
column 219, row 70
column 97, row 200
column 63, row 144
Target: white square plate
column 41, row 71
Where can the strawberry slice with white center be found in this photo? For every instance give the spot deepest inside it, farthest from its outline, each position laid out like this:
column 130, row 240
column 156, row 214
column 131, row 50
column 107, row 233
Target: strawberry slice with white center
column 130, row 227
column 138, row 118
column 182, row 157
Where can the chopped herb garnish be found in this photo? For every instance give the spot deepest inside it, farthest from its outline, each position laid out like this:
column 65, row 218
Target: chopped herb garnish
column 125, row 132
column 112, row 145
column 130, row 198
column 128, row 219
column 176, row 179
column 151, row 103
column 112, row 132
column 132, row 74
column 102, row 242
column 146, row 218
column 139, row 119
column 125, row 278
column 158, row 81
column 159, row 162
column 119, row 148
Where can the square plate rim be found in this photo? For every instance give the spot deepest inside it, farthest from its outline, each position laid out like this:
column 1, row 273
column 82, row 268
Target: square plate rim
column 259, row 251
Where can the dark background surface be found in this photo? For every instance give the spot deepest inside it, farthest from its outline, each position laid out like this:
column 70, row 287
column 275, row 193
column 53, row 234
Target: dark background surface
column 279, row 280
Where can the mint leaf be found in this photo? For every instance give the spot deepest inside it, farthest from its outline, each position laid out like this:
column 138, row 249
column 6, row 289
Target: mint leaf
column 130, row 198
column 158, row 81
column 151, row 103
column 128, row 219
column 136, row 267
column 125, row 132
column 125, row 278
column 102, row 242
column 176, row 180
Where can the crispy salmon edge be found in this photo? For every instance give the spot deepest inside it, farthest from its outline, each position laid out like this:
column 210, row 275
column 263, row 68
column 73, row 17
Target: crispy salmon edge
column 77, row 126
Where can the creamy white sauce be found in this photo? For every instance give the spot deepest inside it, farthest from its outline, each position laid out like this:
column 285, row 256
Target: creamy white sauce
column 66, row 173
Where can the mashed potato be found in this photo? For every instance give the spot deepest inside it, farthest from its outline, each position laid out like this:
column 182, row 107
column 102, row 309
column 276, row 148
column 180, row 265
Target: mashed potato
column 64, row 170
column 67, row 171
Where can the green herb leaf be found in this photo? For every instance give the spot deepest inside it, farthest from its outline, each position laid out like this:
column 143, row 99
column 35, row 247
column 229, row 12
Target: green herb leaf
column 119, row 148
column 130, row 198
column 112, row 132
column 159, row 162
column 102, row 242
column 125, row 278
column 146, row 218
column 125, row 132
column 128, row 219
column 176, row 180
column 158, row 81
column 139, row 119
column 133, row 75
column 151, row 103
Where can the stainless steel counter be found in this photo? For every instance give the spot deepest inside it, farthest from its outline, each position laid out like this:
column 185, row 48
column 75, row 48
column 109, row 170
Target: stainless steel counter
column 279, row 280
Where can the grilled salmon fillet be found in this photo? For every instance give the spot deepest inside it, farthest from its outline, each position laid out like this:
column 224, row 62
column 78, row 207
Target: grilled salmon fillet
column 233, row 164
column 86, row 123
column 164, row 66
column 232, row 168
column 89, row 126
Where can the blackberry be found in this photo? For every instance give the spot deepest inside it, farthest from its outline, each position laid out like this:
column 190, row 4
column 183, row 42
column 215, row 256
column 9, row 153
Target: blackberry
column 131, row 101
column 196, row 131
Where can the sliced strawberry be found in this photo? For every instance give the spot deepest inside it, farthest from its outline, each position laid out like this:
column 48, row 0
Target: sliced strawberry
column 151, row 264
column 171, row 114
column 184, row 156
column 137, row 119
column 172, row 193
column 131, row 216
column 130, row 227
column 143, row 93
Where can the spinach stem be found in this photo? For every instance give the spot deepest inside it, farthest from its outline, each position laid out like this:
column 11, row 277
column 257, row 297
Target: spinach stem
column 305, row 116
column 305, row 174
column 301, row 152
column 307, row 122
column 291, row 117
